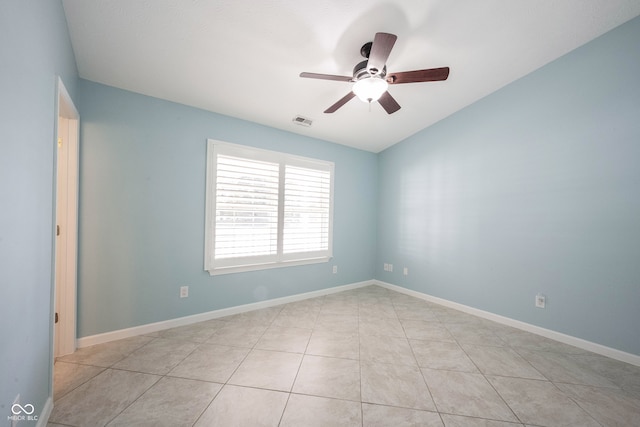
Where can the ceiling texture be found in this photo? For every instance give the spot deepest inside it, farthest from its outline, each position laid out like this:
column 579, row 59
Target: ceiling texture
column 243, row 58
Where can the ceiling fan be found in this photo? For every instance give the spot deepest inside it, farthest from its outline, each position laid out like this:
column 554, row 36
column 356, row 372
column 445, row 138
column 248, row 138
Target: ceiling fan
column 370, row 76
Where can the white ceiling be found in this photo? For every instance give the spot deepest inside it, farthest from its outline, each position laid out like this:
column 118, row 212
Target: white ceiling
column 243, row 58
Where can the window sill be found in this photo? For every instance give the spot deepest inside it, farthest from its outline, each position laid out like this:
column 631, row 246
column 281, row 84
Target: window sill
column 256, row 267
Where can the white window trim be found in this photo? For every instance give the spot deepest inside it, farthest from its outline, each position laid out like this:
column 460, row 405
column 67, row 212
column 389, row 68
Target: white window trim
column 214, row 148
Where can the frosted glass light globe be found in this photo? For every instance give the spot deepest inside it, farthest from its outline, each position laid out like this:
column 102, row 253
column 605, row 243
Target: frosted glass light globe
column 370, row 89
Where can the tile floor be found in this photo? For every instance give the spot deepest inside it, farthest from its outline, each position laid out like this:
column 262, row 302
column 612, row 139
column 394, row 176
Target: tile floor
column 366, row 357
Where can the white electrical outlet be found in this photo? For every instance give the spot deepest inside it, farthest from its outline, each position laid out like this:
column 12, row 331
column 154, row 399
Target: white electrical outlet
column 335, row 269
column 541, row 301
column 405, row 271
column 390, row 267
column 184, row 291
column 386, row 267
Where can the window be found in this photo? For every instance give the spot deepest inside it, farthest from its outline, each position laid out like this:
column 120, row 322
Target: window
column 265, row 209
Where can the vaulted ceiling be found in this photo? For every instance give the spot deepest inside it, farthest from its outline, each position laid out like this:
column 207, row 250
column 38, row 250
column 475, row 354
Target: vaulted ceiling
column 243, row 58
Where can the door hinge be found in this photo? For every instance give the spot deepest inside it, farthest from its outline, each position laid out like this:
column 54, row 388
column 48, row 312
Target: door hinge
column 56, row 318
column 57, row 230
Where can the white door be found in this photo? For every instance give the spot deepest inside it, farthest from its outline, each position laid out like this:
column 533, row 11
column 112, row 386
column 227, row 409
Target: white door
column 66, row 230
column 61, row 231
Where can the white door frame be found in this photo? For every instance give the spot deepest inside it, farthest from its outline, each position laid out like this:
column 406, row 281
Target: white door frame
column 66, row 214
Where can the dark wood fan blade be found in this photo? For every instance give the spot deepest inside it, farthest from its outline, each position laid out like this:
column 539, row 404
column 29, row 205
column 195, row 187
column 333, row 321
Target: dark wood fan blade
column 389, row 104
column 340, row 103
column 417, row 76
column 326, row 77
column 380, row 50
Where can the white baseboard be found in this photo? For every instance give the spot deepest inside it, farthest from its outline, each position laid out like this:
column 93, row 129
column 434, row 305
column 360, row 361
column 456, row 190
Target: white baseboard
column 188, row 320
column 547, row 333
column 43, row 418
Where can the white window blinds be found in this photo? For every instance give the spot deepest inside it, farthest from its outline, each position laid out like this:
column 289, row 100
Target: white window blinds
column 266, row 209
column 307, row 198
column 246, row 207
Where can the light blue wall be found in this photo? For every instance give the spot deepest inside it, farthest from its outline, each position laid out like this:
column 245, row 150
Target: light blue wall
column 535, row 188
column 34, row 48
column 142, row 206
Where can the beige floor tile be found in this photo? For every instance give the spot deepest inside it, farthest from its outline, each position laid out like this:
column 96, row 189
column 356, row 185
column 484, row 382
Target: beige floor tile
column 68, row 376
column 463, row 393
column 426, row 330
column 526, row 340
column 377, row 310
column 106, row 354
column 610, row 407
column 384, row 333
column 329, row 377
column 381, row 326
column 374, row 290
column 501, row 361
column 347, row 308
column 373, row 298
column 441, row 355
column 403, row 299
column 386, row 350
column 459, row 421
column 395, row 385
column 298, row 318
column 102, row 398
column 565, row 368
column 243, row 406
column 620, row 373
column 451, row 316
column 170, row 402
column 384, row 416
column 331, row 322
column 312, row 411
column 334, row 344
column 278, row 338
column 157, row 357
column 268, row 369
column 261, row 317
column 197, row 332
column 415, row 312
column 350, row 297
column 210, row 362
column 541, row 403
column 474, row 334
column 237, row 335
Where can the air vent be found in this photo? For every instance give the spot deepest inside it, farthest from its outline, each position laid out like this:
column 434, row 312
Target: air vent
column 302, row 121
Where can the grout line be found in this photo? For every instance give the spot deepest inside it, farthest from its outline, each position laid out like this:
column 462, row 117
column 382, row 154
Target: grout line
column 136, row 399
column 369, row 299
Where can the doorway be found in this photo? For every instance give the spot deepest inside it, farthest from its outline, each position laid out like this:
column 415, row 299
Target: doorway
column 66, row 229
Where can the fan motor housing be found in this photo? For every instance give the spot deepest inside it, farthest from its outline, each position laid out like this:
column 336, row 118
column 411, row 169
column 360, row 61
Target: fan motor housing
column 360, row 71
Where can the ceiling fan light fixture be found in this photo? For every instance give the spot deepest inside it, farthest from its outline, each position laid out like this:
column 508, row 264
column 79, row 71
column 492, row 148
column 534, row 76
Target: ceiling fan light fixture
column 370, row 89
column 371, row 79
